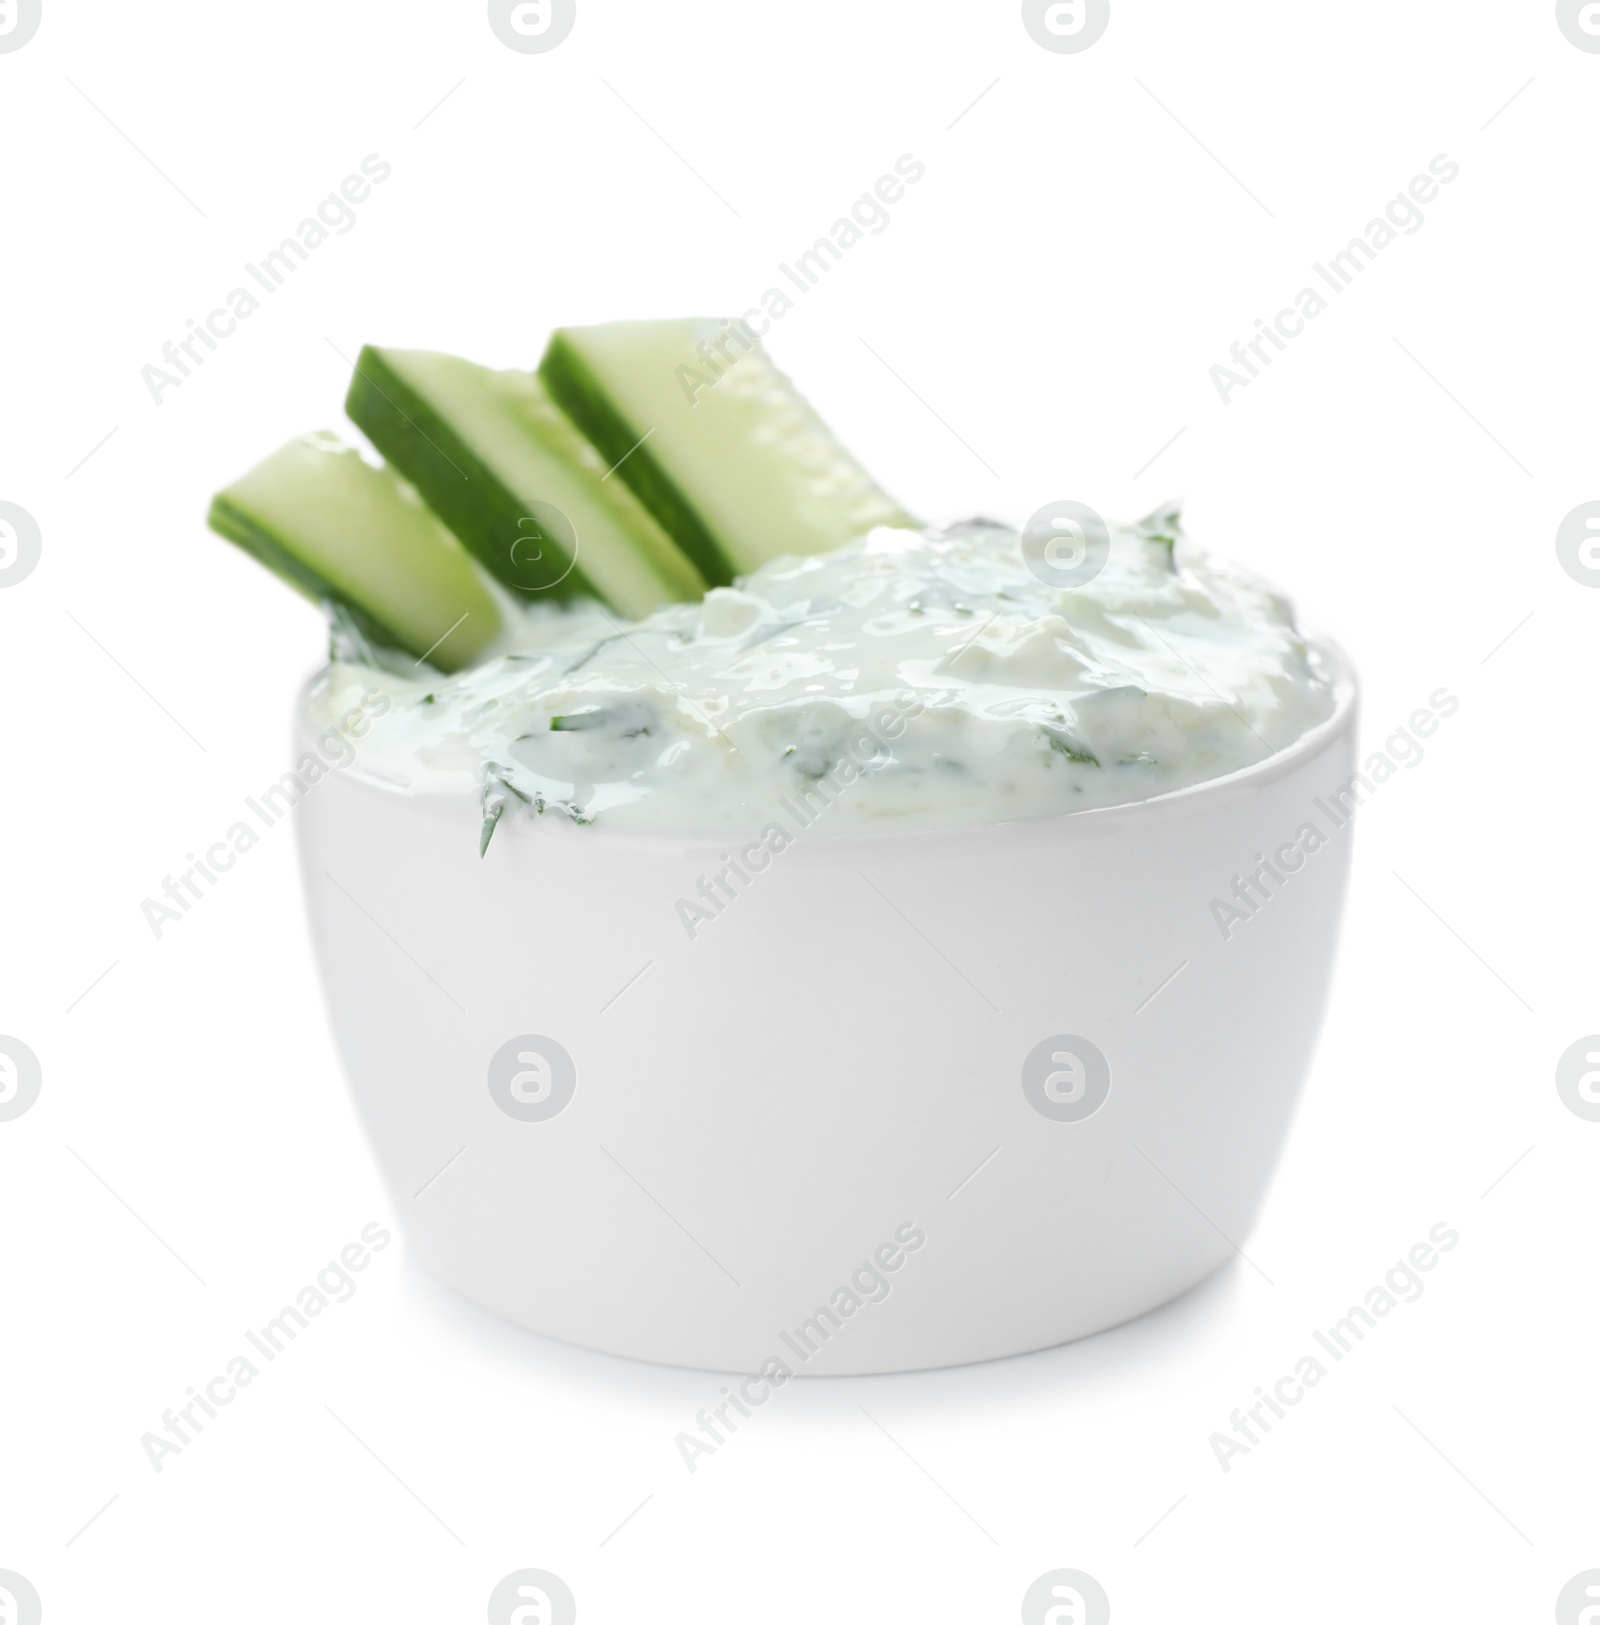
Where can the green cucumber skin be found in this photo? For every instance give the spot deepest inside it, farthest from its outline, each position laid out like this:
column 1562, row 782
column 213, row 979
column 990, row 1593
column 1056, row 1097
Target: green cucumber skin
column 237, row 527
column 452, row 479
column 337, row 529
column 613, row 436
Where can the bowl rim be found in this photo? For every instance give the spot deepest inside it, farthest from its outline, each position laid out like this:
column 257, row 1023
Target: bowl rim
column 1090, row 821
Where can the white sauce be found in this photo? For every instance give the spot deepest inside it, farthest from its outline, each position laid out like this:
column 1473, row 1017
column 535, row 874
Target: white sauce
column 906, row 680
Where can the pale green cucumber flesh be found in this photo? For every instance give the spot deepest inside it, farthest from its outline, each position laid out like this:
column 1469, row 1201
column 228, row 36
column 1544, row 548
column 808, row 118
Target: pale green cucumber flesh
column 511, row 475
column 715, row 440
column 336, row 528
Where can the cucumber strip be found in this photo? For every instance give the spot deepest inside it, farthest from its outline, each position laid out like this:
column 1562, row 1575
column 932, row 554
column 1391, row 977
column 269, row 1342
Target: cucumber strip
column 504, row 467
column 718, row 444
column 334, row 527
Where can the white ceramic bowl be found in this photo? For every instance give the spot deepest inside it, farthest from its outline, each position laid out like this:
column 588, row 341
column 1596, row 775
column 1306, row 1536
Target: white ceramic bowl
column 758, row 1112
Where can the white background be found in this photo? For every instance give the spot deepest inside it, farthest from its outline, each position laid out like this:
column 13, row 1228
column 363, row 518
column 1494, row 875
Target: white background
column 1055, row 289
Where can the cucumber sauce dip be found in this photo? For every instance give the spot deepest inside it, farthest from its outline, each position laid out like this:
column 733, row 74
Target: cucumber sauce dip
column 907, row 680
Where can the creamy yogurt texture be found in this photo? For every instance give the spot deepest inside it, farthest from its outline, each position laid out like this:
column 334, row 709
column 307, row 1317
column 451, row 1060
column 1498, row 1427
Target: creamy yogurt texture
column 907, row 680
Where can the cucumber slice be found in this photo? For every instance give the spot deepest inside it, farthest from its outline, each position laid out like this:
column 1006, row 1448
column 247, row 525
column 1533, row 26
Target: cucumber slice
column 334, row 527
column 737, row 466
column 503, row 466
